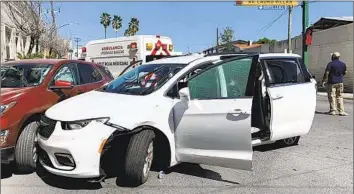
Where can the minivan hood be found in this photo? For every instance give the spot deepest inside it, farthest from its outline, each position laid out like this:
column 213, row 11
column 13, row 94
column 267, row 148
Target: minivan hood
column 97, row 104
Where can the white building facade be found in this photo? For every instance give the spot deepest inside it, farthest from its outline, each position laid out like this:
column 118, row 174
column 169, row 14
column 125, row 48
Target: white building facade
column 12, row 41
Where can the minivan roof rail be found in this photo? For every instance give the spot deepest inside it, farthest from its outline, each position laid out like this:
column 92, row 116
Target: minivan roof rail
column 232, row 53
column 188, row 54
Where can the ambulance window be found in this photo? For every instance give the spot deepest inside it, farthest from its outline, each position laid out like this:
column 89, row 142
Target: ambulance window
column 88, row 74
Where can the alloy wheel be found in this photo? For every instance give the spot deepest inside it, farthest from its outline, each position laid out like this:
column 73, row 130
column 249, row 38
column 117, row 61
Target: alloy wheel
column 148, row 159
column 290, row 141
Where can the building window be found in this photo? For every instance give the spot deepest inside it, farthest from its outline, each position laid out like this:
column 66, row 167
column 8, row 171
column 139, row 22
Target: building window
column 7, row 52
column 8, row 33
column 24, row 40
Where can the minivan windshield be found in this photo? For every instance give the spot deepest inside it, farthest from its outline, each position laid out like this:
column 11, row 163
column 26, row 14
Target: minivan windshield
column 23, row 75
column 143, row 79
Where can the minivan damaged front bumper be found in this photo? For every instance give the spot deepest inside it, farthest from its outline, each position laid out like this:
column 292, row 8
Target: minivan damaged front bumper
column 74, row 153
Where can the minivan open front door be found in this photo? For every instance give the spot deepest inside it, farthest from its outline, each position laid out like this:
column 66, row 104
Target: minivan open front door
column 213, row 125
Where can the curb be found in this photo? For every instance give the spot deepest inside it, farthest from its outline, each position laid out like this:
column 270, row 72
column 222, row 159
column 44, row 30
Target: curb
column 347, row 96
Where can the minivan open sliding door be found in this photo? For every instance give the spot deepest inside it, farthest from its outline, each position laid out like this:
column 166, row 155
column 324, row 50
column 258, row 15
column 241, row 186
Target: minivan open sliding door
column 213, row 127
column 292, row 97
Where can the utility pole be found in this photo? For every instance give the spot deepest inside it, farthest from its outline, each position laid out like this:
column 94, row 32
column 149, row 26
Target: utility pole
column 39, row 23
column 52, row 13
column 53, row 30
column 289, row 28
column 77, row 46
column 305, row 25
column 217, row 40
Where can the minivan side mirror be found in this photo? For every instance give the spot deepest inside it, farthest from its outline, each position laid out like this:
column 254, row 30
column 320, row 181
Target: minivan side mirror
column 61, row 84
column 184, row 94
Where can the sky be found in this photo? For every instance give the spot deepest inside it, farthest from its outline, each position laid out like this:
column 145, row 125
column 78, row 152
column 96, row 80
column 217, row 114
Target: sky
column 191, row 25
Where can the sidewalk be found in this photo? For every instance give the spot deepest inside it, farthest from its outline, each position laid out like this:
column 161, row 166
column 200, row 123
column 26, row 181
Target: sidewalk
column 345, row 95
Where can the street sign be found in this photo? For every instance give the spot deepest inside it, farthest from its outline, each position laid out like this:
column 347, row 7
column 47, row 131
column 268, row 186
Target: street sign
column 268, row 3
column 273, row 7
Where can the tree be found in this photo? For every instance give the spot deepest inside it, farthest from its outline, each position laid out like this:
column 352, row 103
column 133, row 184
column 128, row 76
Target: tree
column 226, row 38
column 56, row 45
column 265, row 41
column 61, row 47
column 116, row 23
column 31, row 56
column 133, row 27
column 105, row 21
column 25, row 16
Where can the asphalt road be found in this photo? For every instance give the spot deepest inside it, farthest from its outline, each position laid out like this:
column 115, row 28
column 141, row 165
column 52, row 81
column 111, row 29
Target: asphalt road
column 321, row 163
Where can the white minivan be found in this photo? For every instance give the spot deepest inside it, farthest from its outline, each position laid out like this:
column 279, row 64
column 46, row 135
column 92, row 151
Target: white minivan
column 204, row 109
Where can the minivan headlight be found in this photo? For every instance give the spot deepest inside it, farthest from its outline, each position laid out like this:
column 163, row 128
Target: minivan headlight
column 72, row 125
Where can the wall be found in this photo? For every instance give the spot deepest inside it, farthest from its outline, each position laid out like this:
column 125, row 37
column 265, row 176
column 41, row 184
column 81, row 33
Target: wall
column 338, row 39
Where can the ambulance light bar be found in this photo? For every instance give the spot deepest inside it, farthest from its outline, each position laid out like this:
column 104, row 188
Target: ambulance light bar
column 170, row 47
column 149, row 46
column 133, row 45
column 158, row 45
column 83, row 49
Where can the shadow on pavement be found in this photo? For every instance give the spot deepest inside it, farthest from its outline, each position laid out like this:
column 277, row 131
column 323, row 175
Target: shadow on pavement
column 270, row 147
column 7, row 170
column 65, row 182
column 198, row 171
column 322, row 113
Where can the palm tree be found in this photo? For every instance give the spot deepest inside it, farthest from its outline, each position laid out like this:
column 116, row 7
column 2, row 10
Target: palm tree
column 133, row 27
column 105, row 21
column 116, row 23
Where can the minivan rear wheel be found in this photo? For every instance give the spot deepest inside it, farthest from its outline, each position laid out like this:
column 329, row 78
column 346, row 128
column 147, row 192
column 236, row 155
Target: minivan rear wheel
column 26, row 152
column 139, row 157
column 289, row 141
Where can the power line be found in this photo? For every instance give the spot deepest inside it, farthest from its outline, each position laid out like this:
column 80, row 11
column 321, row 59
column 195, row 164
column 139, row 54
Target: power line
column 266, row 27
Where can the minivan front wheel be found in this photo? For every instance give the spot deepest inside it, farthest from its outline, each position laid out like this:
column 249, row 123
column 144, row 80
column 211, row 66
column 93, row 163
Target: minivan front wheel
column 25, row 151
column 139, row 157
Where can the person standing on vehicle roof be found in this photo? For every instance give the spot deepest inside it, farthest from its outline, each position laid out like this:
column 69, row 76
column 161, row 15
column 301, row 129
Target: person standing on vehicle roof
column 333, row 79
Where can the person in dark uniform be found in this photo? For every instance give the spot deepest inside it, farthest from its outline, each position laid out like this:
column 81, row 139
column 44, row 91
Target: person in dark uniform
column 333, row 80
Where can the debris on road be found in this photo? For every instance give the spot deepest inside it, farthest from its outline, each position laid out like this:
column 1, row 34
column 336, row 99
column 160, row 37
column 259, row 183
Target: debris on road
column 161, row 175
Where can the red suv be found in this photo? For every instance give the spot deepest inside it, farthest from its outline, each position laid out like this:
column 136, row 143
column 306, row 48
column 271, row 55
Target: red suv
column 28, row 89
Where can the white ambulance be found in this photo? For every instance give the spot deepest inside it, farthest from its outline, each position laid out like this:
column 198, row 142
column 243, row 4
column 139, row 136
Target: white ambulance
column 117, row 53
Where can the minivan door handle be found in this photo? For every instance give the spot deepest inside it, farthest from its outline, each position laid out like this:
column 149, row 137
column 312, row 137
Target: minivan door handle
column 277, row 97
column 237, row 111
